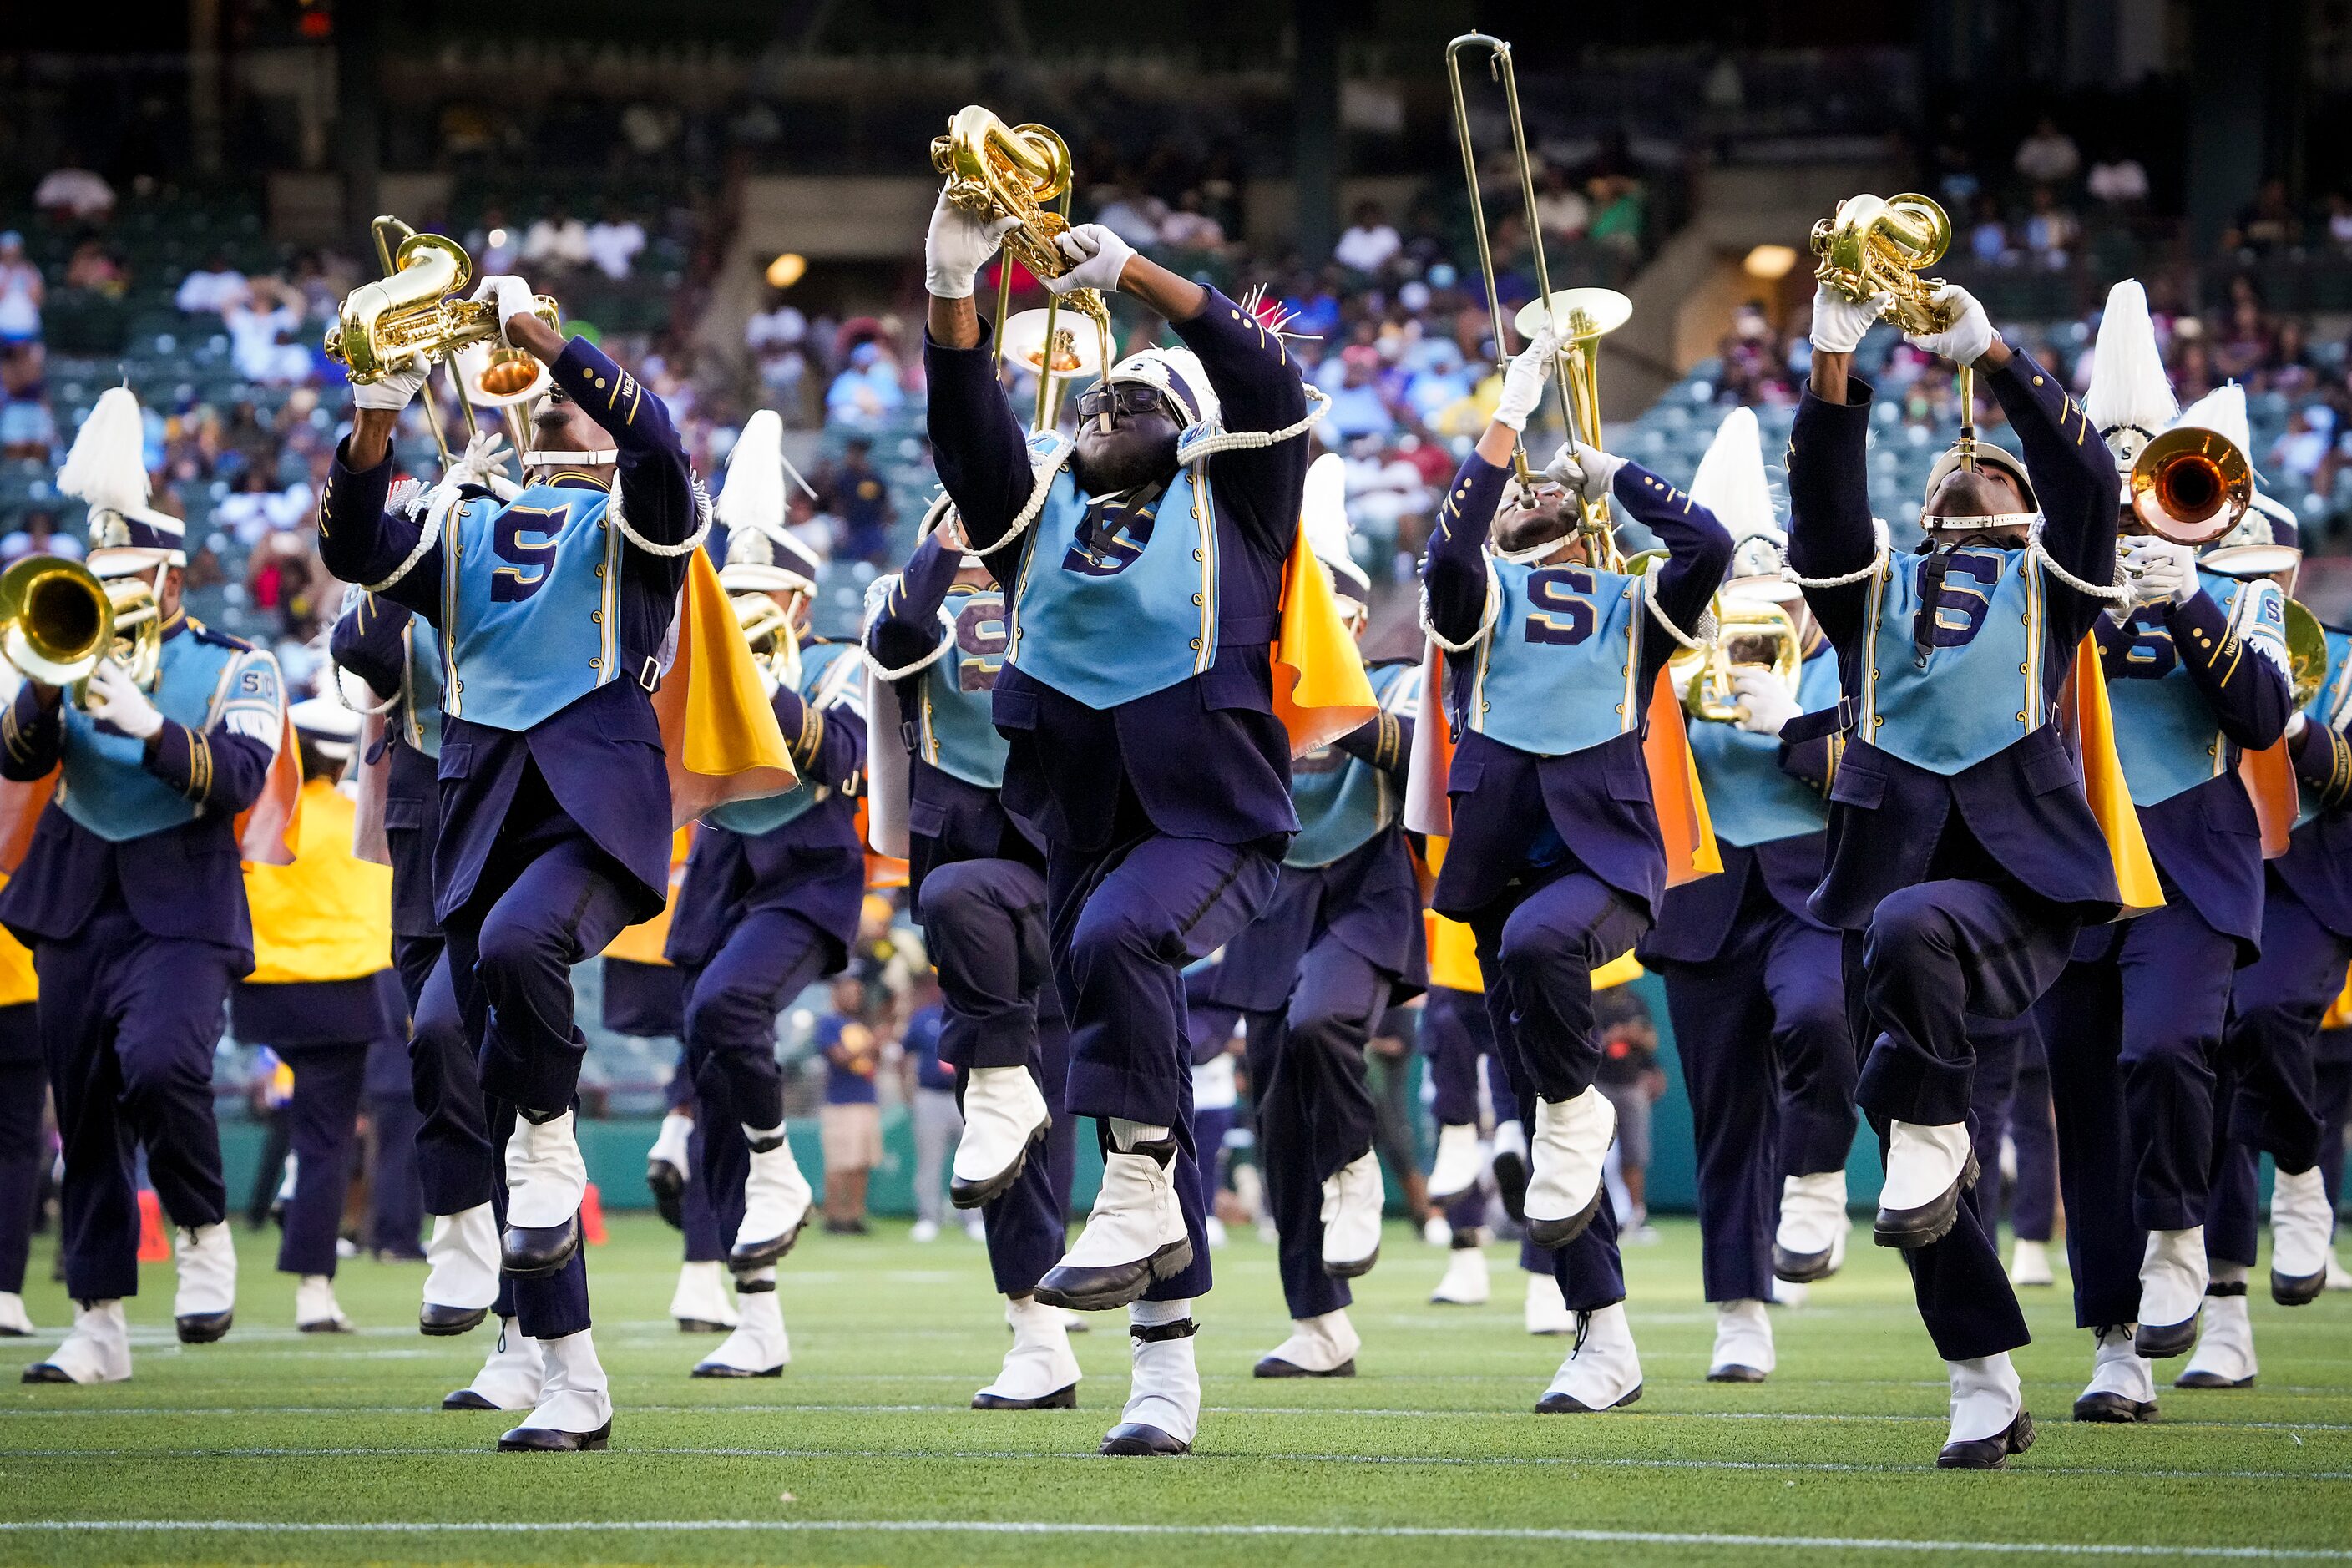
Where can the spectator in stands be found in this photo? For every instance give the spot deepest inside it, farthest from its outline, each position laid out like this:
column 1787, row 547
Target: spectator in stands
column 2267, row 224
column 860, row 497
column 28, row 429
column 96, row 270
column 260, row 329
column 866, row 392
column 1750, row 358
column 2247, row 343
column 495, row 247
column 72, row 193
column 39, row 535
column 1369, row 243
column 1190, row 228
column 1357, row 408
column 557, row 243
column 1621, row 214
column 850, row 1125
column 2049, row 156
column 212, row 287
column 2301, row 447
column 1133, row 216
column 2120, row 183
column 258, row 508
column 2339, row 221
column 939, row 1122
column 21, row 292
column 613, row 242
column 1562, row 208
column 1629, row 1079
column 2051, row 231
column 1989, row 236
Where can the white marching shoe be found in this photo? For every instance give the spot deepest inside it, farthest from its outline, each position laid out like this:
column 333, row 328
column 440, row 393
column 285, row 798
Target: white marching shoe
column 1809, row 1242
column 1928, row 1169
column 1457, row 1168
column 461, row 1271
column 15, row 1321
column 1602, row 1372
column 1322, row 1346
column 776, row 1199
column 1547, row 1309
column 2338, row 1277
column 1564, row 1188
column 1466, row 1282
column 510, row 1377
column 1787, row 1293
column 699, row 1304
column 2029, row 1263
column 575, row 1407
column 316, row 1311
column 547, row 1178
column 205, row 1302
column 2302, row 1224
column 1743, row 1343
column 1163, row 1397
column 97, row 1349
column 667, row 1165
column 1004, row 1114
column 1437, row 1230
column 1352, row 1217
column 1989, row 1423
column 2171, row 1291
column 1134, row 1236
column 1039, row 1373
column 2122, row 1389
column 2225, row 1350
column 759, row 1347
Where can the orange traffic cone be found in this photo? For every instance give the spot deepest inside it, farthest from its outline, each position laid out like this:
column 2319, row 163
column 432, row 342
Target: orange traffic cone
column 592, row 1215
column 154, row 1235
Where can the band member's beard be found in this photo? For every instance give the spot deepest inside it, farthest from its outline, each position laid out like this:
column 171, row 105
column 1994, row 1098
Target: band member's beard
column 1132, row 452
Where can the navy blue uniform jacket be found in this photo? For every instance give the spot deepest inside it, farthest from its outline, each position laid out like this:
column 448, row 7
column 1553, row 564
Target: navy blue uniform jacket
column 2318, row 860
column 369, row 641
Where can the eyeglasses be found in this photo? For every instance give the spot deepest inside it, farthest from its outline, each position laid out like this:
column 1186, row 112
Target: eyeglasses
column 1097, row 401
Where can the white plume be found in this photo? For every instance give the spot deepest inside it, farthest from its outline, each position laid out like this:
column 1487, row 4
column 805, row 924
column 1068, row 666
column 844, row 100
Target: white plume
column 1323, row 513
column 1730, row 480
column 108, row 464
column 2130, row 397
column 754, row 496
column 2222, row 410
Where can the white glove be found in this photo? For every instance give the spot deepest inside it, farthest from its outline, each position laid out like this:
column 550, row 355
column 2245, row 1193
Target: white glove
column 482, row 463
column 1587, row 470
column 116, row 701
column 1840, row 323
column 1969, row 337
column 2161, row 570
column 1524, row 382
column 1765, row 705
column 1100, row 255
column 513, row 295
column 957, row 247
column 396, row 390
column 2296, row 723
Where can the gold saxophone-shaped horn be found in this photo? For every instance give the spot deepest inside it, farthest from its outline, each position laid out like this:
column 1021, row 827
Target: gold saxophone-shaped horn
column 410, row 314
column 1878, row 246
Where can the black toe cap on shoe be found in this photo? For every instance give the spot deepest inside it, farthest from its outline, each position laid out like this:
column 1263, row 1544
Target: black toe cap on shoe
column 765, row 1254
column 1802, row 1268
column 1101, row 1289
column 975, row 1194
column 2195, row 1378
column 1354, row 1269
column 204, row 1328
column 701, row 1326
column 1135, row 1437
column 1568, row 1404
column 547, row 1440
column 1560, row 1232
column 2113, row 1409
column 2160, row 1341
column 1733, row 1372
column 1275, row 1366
column 721, row 1369
column 2294, row 1290
column 45, row 1372
column 326, row 1326
column 442, row 1321
column 1989, row 1453
column 534, row 1252
column 1060, row 1399
column 466, row 1399
column 1930, row 1221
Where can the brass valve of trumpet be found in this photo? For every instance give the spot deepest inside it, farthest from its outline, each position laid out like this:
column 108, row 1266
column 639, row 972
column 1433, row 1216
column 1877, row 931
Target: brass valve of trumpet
column 999, row 171
column 1744, row 627
column 768, row 629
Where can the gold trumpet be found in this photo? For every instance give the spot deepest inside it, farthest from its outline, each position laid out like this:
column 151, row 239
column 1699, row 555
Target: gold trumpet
column 1703, row 675
column 58, row 620
column 2306, row 652
column 767, row 627
column 999, row 171
column 1878, row 246
column 2191, row 485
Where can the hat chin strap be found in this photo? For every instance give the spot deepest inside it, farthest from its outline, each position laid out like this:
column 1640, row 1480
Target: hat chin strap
column 537, row 459
column 1938, row 523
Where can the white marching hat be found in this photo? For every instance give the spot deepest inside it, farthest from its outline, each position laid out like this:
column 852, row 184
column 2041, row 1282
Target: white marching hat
column 2130, row 398
column 1323, row 513
column 1731, row 483
column 2268, row 538
column 762, row 554
column 329, row 726
column 107, row 469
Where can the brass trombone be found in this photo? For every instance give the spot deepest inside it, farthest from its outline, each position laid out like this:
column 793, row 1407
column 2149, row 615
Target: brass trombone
column 2191, row 485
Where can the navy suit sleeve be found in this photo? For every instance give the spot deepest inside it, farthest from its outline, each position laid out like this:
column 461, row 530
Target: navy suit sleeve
column 2323, row 762
column 369, row 640
column 217, row 768
column 982, row 453
column 1812, row 761
column 828, row 745
column 1830, row 532
column 2248, row 693
column 1258, row 388
column 362, row 543
column 1454, row 571
column 909, row 626
column 2074, row 480
column 656, row 483
column 31, row 735
column 1698, row 551
column 1383, row 741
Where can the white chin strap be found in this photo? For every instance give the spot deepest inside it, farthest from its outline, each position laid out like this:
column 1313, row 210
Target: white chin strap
column 536, row 460
column 1941, row 524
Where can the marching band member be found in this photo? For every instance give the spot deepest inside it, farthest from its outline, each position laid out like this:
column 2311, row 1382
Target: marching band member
column 1335, row 947
column 2132, row 1026
column 1963, row 855
column 1753, row 981
column 1145, row 561
column 23, row 1093
column 2268, row 1054
column 550, row 609
column 1557, row 858
column 770, row 903
column 321, row 947
column 129, row 899
column 935, row 647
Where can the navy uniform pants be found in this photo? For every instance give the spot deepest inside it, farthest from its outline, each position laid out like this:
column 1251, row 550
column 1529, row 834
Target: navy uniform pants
column 2131, row 1031
column 2270, row 1049
column 323, row 1117
column 985, row 921
column 2033, row 1133
column 1122, row 923
column 1761, row 1034
column 769, row 957
column 1537, row 946
column 703, row 1242
column 454, row 1160
column 1457, row 1038
column 1314, row 1109
column 129, row 1023
column 23, row 1090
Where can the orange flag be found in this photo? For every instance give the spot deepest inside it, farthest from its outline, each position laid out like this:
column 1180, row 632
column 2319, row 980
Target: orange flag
column 2090, row 729
column 717, row 729
column 2269, row 778
column 1320, row 691
column 1683, row 820
column 266, row 830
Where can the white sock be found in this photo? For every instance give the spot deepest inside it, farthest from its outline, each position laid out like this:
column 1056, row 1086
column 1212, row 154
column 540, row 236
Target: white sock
column 1126, row 1136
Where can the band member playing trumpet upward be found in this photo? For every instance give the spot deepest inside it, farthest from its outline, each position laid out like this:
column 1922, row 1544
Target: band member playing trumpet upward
column 2196, row 670
column 129, row 899
column 1753, row 982
column 1557, row 861
column 1963, row 854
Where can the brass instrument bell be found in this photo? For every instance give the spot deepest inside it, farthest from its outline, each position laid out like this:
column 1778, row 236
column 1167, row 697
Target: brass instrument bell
column 1702, row 676
column 2191, row 485
column 1878, row 246
column 57, row 619
column 2306, row 652
column 768, row 629
column 411, row 314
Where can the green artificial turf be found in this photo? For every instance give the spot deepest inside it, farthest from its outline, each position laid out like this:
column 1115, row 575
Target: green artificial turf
column 1831, row 1459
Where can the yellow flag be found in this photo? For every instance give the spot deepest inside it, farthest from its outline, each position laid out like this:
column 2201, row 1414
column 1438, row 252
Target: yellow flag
column 717, row 729
column 2083, row 710
column 1320, row 691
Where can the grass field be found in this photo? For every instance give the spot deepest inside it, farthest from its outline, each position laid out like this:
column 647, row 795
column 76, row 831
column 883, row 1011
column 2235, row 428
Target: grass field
column 273, row 1447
